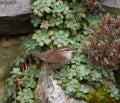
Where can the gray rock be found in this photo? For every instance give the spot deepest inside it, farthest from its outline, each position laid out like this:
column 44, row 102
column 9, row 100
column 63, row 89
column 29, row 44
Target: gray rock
column 112, row 6
column 14, row 17
column 112, row 3
column 48, row 91
column 14, row 7
column 2, row 91
column 9, row 48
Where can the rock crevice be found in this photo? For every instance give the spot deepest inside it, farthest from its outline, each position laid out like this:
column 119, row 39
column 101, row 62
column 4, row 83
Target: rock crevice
column 14, row 17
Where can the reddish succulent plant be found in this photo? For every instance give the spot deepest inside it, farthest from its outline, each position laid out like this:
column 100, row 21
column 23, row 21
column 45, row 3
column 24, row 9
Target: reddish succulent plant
column 104, row 48
column 93, row 6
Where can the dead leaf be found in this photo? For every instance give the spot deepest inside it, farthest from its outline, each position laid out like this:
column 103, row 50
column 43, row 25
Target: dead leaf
column 45, row 24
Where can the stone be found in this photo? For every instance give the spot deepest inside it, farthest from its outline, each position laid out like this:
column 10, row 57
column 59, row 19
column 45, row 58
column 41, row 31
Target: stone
column 48, row 91
column 14, row 7
column 112, row 3
column 9, row 48
column 15, row 17
column 112, row 6
column 2, row 91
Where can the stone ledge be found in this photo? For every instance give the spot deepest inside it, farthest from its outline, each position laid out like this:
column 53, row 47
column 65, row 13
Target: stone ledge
column 14, row 17
column 112, row 6
column 14, row 7
column 15, row 25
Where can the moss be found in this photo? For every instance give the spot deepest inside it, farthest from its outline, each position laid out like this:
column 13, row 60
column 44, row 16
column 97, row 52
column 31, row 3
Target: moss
column 100, row 96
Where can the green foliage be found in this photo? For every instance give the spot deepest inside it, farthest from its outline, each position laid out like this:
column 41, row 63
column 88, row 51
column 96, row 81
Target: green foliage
column 100, row 96
column 69, row 25
column 72, row 24
column 29, row 44
column 16, row 62
column 58, row 23
column 82, row 72
column 78, row 78
column 114, row 92
column 96, row 76
column 94, row 20
column 41, row 37
column 35, row 20
column 51, row 37
column 41, row 6
column 56, row 19
column 25, row 96
column 24, row 80
column 55, row 12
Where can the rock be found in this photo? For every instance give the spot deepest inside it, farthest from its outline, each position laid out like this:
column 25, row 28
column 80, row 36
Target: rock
column 14, row 7
column 14, row 17
column 48, row 91
column 2, row 91
column 9, row 48
column 112, row 6
column 112, row 3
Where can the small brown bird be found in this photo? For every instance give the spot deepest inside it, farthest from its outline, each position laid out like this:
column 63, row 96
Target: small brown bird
column 55, row 58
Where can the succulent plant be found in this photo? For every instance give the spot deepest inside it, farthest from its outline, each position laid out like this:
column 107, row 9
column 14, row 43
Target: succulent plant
column 60, row 23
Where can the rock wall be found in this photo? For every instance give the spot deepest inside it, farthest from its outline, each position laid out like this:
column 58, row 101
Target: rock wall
column 112, row 6
column 14, row 17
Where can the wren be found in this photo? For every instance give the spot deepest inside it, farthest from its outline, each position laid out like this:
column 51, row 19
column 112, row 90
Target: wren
column 55, row 58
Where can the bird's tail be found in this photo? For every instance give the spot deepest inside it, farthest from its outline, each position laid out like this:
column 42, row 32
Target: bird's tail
column 37, row 54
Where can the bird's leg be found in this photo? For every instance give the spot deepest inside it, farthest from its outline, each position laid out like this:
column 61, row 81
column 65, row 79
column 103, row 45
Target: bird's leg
column 61, row 75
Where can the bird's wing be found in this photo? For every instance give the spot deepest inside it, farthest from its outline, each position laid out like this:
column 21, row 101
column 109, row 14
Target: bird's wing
column 54, row 59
